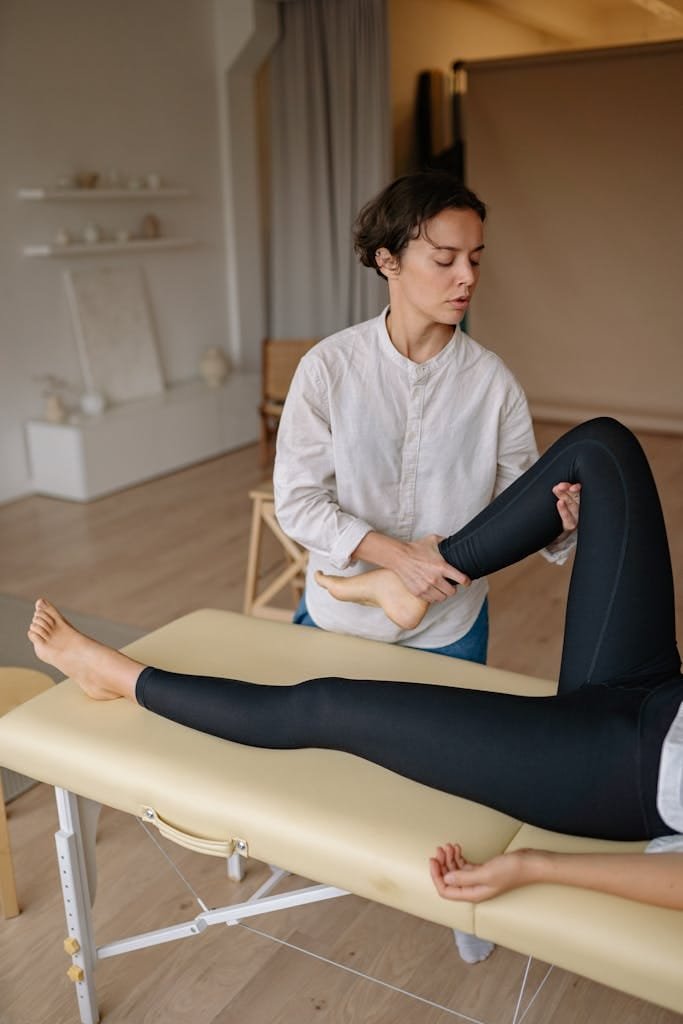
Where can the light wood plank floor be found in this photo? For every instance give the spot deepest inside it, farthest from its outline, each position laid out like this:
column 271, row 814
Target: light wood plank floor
column 143, row 557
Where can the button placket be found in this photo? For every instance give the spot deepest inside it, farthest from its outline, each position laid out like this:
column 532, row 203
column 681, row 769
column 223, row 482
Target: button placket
column 410, row 455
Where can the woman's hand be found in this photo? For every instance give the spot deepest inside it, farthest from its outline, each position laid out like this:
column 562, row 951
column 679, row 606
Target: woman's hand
column 417, row 563
column 456, row 878
column 568, row 501
column 652, row 878
column 424, row 572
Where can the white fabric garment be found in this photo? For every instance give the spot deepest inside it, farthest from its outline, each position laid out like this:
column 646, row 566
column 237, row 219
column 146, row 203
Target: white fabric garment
column 370, row 440
column 666, row 844
column 670, row 784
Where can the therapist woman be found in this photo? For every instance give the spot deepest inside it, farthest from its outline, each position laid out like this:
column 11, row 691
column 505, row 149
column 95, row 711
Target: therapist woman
column 404, row 427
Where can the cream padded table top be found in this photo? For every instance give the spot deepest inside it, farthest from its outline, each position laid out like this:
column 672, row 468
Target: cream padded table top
column 330, row 816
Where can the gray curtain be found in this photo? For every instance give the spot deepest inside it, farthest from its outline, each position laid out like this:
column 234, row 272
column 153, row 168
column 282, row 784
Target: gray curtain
column 330, row 152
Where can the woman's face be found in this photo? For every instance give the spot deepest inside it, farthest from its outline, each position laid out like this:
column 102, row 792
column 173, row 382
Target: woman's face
column 438, row 271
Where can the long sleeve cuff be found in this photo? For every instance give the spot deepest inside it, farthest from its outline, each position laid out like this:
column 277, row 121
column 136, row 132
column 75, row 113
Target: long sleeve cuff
column 347, row 542
column 559, row 551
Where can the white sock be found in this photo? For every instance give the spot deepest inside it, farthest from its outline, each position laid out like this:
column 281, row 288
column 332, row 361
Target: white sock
column 472, row 949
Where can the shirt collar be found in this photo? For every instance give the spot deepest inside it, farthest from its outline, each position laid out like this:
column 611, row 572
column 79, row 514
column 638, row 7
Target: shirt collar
column 416, row 370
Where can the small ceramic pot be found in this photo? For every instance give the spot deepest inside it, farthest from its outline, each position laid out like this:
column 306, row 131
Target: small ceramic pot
column 214, row 367
column 93, row 403
column 87, row 179
column 54, row 410
column 150, row 226
column 92, row 233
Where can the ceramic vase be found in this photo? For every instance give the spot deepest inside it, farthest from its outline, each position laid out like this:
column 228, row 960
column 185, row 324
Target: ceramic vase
column 54, row 410
column 92, row 233
column 214, row 367
column 93, row 403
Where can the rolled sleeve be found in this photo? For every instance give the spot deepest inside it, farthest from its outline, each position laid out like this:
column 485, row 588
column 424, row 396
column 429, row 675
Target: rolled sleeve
column 559, row 551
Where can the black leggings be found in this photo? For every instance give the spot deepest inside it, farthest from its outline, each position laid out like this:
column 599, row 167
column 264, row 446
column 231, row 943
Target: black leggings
column 584, row 762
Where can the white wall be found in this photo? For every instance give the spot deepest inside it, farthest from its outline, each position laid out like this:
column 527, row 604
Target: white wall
column 87, row 85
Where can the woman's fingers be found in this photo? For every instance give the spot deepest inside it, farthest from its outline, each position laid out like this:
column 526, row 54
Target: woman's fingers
column 458, row 893
column 568, row 503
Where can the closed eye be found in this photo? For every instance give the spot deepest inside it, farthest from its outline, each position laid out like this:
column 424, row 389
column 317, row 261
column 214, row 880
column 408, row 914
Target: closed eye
column 449, row 263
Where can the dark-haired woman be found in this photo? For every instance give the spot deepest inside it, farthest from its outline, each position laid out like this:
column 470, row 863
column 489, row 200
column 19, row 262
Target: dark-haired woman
column 403, row 427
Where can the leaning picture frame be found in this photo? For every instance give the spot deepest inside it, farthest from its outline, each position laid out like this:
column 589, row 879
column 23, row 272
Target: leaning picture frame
column 114, row 332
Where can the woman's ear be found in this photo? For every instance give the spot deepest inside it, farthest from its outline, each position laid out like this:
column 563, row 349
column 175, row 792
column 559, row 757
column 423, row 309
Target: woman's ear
column 387, row 263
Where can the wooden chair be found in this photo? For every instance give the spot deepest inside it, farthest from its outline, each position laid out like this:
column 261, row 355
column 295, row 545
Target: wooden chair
column 292, row 574
column 17, row 685
column 279, row 360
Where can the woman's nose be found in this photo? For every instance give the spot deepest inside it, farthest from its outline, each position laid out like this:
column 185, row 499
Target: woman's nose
column 465, row 272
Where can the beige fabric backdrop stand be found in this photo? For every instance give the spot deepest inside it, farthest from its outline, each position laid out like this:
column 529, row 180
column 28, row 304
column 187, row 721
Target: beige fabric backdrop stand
column 580, row 158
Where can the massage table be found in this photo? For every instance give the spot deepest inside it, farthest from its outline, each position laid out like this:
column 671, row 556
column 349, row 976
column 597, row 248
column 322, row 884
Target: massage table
column 324, row 815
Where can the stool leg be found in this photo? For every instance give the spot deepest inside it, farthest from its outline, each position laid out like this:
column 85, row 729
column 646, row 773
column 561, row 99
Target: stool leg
column 253, row 557
column 264, row 441
column 8, row 891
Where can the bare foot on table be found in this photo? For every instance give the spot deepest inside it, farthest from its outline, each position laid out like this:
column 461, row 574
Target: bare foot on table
column 100, row 671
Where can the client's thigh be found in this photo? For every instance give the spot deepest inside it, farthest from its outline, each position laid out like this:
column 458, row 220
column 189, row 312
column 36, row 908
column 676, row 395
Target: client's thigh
column 566, row 763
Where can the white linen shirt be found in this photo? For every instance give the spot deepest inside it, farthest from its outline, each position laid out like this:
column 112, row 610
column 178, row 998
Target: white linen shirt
column 370, row 440
column 670, row 784
column 670, row 788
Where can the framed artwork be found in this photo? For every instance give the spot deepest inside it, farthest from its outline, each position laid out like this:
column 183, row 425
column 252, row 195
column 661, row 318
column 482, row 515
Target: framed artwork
column 114, row 332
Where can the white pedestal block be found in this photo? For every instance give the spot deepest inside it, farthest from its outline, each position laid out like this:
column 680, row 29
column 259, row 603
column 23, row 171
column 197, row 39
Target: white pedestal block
column 139, row 440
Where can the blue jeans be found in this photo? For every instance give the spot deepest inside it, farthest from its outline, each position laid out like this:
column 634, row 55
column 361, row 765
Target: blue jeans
column 472, row 646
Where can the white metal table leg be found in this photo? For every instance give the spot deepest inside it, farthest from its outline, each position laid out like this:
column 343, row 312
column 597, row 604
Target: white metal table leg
column 76, row 892
column 89, row 815
column 235, row 864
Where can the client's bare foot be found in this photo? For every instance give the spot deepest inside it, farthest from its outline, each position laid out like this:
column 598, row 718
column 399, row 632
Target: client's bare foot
column 101, row 672
column 379, row 588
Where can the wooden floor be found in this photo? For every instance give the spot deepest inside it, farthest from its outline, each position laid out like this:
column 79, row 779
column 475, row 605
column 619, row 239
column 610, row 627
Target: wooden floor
column 143, row 557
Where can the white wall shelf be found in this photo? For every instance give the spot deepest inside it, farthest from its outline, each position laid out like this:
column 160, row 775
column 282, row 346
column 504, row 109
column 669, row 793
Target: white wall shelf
column 89, row 194
column 138, row 440
column 97, row 248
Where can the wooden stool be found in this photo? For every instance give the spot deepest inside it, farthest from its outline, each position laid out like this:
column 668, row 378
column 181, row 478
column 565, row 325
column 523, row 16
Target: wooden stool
column 17, row 685
column 293, row 575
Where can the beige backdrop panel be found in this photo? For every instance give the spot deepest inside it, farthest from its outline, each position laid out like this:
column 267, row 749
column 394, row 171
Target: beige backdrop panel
column 580, row 158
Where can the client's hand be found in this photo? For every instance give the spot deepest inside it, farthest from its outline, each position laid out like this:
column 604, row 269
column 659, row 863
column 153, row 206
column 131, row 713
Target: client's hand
column 455, row 878
column 568, row 501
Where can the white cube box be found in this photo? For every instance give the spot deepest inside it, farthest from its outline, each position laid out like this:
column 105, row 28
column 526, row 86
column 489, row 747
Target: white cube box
column 138, row 440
